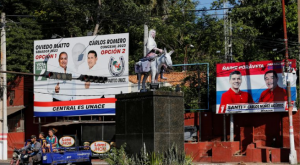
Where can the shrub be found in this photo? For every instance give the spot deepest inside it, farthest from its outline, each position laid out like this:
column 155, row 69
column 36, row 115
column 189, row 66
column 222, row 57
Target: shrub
column 171, row 157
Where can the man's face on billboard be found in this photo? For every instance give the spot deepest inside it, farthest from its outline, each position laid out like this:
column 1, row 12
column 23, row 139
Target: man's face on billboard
column 271, row 81
column 92, row 59
column 63, row 60
column 235, row 81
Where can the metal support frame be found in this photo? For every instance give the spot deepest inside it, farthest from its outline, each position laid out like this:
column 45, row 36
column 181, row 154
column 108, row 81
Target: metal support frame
column 207, row 73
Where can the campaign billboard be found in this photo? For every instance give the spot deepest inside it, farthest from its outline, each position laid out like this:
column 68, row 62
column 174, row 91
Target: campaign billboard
column 254, row 87
column 101, row 55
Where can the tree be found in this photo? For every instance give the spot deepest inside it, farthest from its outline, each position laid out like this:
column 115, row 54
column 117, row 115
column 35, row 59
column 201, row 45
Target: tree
column 19, row 37
column 258, row 29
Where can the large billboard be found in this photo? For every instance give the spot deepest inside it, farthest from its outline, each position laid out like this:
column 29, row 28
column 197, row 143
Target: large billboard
column 254, row 87
column 102, row 55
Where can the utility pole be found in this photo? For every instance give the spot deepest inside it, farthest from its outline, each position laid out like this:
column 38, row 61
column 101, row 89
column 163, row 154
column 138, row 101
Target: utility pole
column 230, row 60
column 226, row 31
column 145, row 38
column 293, row 153
column 98, row 17
column 299, row 39
column 3, row 135
column 226, row 43
column 199, row 101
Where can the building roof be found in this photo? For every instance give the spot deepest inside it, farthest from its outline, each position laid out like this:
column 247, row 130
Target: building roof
column 173, row 78
column 65, row 123
column 14, row 109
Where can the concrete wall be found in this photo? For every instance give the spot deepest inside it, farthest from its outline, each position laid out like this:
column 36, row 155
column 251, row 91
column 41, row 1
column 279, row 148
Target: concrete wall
column 263, row 130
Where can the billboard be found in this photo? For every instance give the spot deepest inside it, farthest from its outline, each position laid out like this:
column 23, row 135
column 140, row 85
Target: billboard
column 105, row 55
column 254, row 87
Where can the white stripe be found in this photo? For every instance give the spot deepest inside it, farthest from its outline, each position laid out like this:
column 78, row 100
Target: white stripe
column 249, row 82
column 282, row 110
column 50, row 109
column 107, row 114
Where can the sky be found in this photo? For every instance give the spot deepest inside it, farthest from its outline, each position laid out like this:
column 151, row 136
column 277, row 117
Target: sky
column 207, row 4
column 204, row 3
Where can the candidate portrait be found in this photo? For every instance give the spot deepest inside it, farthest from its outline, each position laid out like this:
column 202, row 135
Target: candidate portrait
column 274, row 92
column 234, row 94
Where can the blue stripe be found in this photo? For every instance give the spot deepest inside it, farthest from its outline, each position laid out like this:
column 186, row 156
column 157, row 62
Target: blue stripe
column 76, row 112
column 255, row 93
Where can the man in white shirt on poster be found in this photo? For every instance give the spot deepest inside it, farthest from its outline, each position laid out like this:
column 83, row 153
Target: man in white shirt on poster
column 93, row 69
column 62, row 90
column 90, row 90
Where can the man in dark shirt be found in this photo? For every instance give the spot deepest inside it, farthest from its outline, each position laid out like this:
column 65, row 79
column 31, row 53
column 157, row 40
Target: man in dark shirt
column 234, row 94
column 274, row 92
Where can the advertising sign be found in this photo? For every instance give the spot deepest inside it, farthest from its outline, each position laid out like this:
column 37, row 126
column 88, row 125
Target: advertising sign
column 98, row 56
column 254, row 87
column 100, row 147
column 66, row 141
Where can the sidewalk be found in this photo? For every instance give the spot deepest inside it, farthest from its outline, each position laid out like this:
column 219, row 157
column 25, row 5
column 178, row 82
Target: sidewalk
column 96, row 162
column 239, row 163
column 4, row 161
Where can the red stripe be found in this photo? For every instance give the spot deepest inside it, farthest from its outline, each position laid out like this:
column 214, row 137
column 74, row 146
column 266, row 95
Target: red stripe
column 220, row 111
column 3, row 138
column 74, row 102
column 3, row 134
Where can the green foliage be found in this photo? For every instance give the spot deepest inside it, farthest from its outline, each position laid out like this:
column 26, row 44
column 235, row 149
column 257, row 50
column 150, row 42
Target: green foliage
column 119, row 156
column 156, row 159
column 176, row 31
column 171, row 157
column 20, row 34
column 190, row 92
column 20, row 44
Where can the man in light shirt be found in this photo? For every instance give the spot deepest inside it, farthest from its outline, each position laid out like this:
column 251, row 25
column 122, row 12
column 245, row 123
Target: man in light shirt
column 93, row 70
column 62, row 90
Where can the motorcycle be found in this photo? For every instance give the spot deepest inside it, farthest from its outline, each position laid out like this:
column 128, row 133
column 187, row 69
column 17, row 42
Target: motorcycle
column 16, row 157
column 19, row 157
